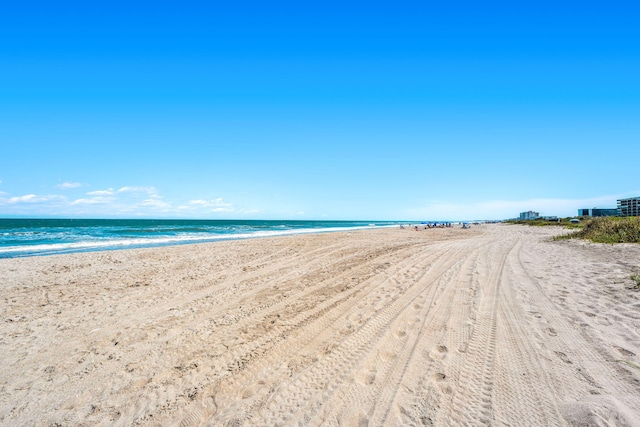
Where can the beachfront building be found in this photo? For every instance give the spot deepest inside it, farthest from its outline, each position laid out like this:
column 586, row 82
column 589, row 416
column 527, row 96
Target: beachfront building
column 598, row 212
column 529, row 215
column 629, row 207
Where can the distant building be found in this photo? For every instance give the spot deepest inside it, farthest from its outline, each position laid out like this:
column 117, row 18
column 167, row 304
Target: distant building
column 598, row 212
column 629, row 207
column 529, row 215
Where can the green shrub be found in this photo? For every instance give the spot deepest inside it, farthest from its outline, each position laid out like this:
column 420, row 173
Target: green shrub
column 608, row 230
column 563, row 222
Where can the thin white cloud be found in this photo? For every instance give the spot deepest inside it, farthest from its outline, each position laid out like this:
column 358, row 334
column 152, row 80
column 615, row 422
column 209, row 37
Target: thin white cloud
column 68, row 185
column 33, row 198
column 22, row 199
column 93, row 201
column 107, row 192
column 218, row 203
column 220, row 206
column 151, row 191
column 155, row 203
column 215, row 206
column 126, row 201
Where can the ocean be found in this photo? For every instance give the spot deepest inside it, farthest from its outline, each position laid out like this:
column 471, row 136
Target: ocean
column 29, row 237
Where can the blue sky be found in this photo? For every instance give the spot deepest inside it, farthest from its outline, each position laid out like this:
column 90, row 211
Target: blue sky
column 284, row 110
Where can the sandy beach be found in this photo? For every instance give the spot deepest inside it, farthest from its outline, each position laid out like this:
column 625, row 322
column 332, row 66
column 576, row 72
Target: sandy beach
column 495, row 325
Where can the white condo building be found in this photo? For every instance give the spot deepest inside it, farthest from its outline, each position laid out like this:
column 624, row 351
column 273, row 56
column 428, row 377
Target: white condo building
column 629, row 207
column 529, row 215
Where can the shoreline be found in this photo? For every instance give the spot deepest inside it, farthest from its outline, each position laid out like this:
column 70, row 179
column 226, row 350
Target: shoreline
column 92, row 245
column 381, row 326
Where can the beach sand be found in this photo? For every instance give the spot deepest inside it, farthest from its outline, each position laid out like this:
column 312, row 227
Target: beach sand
column 495, row 325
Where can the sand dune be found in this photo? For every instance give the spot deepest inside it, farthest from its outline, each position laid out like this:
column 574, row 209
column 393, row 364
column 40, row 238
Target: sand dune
column 496, row 325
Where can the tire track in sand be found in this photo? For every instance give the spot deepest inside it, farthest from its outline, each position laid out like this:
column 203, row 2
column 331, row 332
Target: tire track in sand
column 471, row 403
column 302, row 397
column 523, row 392
column 271, row 358
column 429, row 337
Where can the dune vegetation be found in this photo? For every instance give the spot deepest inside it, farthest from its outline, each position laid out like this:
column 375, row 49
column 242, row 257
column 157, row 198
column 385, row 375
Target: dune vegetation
column 608, row 230
column 540, row 222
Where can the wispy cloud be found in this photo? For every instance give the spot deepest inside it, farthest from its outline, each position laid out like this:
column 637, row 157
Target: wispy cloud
column 156, row 203
column 195, row 203
column 124, row 201
column 93, row 201
column 151, row 191
column 68, row 185
column 32, row 204
column 108, row 192
column 33, row 198
column 212, row 203
column 216, row 205
column 127, row 200
column 136, row 200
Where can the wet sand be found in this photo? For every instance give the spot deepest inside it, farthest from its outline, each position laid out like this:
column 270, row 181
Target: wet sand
column 496, row 325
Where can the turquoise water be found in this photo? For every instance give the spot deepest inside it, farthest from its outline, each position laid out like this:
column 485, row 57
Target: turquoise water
column 29, row 237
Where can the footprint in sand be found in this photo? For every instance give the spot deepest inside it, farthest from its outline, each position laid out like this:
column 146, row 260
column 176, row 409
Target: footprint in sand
column 388, row 355
column 563, row 357
column 368, row 377
column 439, row 377
column 252, row 390
column 624, row 351
column 439, row 353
